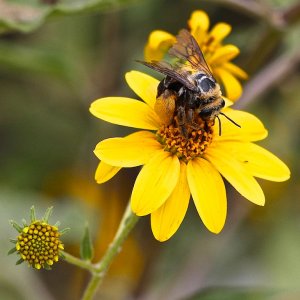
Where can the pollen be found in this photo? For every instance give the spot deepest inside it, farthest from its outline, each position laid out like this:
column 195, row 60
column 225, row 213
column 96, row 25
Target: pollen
column 39, row 244
column 185, row 148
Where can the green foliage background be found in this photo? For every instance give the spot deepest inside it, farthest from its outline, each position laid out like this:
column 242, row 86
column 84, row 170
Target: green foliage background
column 55, row 59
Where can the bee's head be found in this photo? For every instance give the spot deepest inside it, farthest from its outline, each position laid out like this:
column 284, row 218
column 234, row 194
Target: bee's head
column 205, row 83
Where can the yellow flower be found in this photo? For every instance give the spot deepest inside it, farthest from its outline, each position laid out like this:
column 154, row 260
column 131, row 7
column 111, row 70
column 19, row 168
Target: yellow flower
column 175, row 167
column 217, row 55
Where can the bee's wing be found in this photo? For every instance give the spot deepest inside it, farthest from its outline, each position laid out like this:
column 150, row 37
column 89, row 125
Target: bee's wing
column 176, row 73
column 187, row 49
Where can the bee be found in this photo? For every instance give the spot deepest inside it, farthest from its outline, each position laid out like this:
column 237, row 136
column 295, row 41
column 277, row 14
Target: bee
column 189, row 90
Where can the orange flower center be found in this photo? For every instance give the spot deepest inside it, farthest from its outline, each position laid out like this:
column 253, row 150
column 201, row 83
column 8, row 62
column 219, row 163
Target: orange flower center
column 185, row 148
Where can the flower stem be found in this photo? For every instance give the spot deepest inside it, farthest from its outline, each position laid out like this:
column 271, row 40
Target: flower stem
column 84, row 264
column 99, row 270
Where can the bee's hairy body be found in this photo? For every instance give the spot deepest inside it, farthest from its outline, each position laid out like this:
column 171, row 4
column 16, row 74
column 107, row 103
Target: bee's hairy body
column 205, row 103
column 189, row 94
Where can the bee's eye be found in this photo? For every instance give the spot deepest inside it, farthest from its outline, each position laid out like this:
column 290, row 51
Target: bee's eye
column 206, row 84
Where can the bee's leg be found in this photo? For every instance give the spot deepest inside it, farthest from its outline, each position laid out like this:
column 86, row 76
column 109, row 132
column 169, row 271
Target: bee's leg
column 181, row 119
column 190, row 119
column 181, row 116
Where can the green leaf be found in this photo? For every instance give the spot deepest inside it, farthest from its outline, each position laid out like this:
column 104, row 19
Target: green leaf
column 26, row 16
column 86, row 246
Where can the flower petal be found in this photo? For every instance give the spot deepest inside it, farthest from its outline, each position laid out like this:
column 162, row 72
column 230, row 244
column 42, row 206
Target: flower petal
column 260, row 162
column 166, row 220
column 199, row 24
column 143, row 85
column 232, row 86
column 131, row 151
column 235, row 173
column 223, row 54
column 227, row 102
column 155, row 183
column 208, row 191
column 235, row 70
column 252, row 129
column 158, row 44
column 105, row 172
column 199, row 18
column 219, row 32
column 126, row 112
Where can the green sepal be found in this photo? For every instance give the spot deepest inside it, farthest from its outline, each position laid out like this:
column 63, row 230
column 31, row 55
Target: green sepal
column 16, row 226
column 19, row 261
column 86, row 246
column 65, row 230
column 57, row 224
column 47, row 267
column 32, row 214
column 12, row 250
column 14, row 241
column 47, row 214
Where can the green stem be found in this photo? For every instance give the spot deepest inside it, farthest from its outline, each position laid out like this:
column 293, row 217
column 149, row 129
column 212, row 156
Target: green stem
column 84, row 264
column 99, row 270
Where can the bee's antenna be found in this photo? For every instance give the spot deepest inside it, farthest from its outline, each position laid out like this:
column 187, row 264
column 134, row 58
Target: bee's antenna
column 220, row 127
column 236, row 124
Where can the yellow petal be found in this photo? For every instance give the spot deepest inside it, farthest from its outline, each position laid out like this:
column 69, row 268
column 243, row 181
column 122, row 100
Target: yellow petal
column 233, row 87
column 105, row 172
column 235, row 70
column 198, row 18
column 223, row 54
column 143, row 85
column 199, row 24
column 208, row 191
column 260, row 162
column 166, row 220
column 158, row 44
column 131, row 151
column 125, row 112
column 235, row 173
column 227, row 102
column 218, row 33
column 252, row 129
column 155, row 183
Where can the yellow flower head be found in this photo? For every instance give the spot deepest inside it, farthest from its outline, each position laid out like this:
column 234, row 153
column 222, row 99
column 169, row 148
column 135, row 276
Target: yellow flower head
column 38, row 243
column 217, row 55
column 175, row 167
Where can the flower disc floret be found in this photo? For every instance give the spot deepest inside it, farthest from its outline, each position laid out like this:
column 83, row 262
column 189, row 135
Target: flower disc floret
column 185, row 148
column 39, row 244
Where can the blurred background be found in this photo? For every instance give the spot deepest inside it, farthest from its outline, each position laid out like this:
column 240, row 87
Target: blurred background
column 56, row 57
